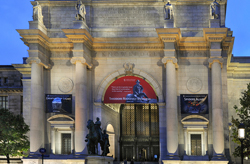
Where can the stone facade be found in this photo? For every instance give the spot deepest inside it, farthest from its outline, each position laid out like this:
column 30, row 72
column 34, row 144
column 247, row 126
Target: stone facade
column 191, row 53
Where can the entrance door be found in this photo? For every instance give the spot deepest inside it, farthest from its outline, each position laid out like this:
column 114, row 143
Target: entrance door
column 196, row 144
column 139, row 132
column 66, row 143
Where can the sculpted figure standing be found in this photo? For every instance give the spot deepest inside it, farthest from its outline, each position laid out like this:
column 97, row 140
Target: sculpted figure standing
column 37, row 12
column 81, row 11
column 98, row 127
column 215, row 9
column 168, row 11
column 105, row 145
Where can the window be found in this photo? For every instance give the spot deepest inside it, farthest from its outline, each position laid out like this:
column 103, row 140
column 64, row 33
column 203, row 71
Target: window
column 0, row 81
column 6, row 80
column 4, row 102
column 21, row 107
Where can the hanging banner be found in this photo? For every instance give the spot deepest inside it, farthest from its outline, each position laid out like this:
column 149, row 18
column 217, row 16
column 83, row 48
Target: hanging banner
column 130, row 89
column 194, row 104
column 58, row 103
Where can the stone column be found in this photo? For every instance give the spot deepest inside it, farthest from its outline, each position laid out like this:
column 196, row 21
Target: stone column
column 72, row 140
column 185, row 141
column 205, row 141
column 53, row 140
column 37, row 110
column 162, row 131
column 171, row 108
column 217, row 112
column 81, row 105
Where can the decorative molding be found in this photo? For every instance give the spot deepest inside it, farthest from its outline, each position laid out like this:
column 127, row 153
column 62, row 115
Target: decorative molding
column 65, row 85
column 173, row 60
column 214, row 60
column 194, row 84
column 36, row 60
column 82, row 60
column 128, row 68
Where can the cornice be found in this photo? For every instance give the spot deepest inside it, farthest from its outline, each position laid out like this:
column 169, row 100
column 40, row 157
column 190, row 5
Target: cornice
column 24, row 69
column 215, row 34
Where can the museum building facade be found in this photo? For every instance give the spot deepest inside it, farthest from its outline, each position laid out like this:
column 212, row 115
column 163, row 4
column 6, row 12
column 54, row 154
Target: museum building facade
column 160, row 76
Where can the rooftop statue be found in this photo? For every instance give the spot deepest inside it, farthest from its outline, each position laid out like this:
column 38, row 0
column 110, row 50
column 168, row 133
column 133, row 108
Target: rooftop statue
column 37, row 12
column 215, row 10
column 168, row 11
column 81, row 11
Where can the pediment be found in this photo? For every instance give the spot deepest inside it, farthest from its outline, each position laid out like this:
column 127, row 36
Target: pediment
column 195, row 120
column 60, row 119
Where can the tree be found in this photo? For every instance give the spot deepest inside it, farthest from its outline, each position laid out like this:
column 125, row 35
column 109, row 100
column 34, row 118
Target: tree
column 243, row 117
column 13, row 138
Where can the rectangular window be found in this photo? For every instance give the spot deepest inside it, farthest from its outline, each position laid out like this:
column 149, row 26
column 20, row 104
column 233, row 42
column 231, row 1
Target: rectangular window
column 0, row 81
column 6, row 80
column 4, row 102
column 21, row 107
column 66, row 143
column 196, row 144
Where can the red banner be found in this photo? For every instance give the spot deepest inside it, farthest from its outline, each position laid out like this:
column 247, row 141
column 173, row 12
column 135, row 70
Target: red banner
column 130, row 89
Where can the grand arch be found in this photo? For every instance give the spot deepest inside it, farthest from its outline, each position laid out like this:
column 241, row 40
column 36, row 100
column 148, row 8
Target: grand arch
column 111, row 77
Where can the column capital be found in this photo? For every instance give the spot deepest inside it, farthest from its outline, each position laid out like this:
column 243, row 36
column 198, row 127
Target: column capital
column 36, row 60
column 173, row 60
column 82, row 60
column 214, row 60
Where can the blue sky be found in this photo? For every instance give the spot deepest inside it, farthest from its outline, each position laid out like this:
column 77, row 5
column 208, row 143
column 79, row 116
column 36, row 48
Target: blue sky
column 16, row 14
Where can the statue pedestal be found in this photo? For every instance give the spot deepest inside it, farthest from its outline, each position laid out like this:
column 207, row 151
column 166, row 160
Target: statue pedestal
column 99, row 160
column 214, row 23
column 80, row 25
column 169, row 23
column 37, row 25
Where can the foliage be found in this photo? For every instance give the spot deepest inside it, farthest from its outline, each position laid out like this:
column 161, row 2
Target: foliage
column 243, row 117
column 13, row 129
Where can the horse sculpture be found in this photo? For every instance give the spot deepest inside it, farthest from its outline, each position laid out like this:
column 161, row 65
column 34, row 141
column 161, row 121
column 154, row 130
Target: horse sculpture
column 92, row 138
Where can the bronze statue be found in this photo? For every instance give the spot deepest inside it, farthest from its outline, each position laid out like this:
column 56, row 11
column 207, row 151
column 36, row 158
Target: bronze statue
column 96, row 136
column 105, row 145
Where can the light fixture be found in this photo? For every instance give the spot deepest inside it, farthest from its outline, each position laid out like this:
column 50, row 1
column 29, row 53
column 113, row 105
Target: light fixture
column 241, row 131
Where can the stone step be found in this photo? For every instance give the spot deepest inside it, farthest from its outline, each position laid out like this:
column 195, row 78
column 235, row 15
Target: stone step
column 12, row 161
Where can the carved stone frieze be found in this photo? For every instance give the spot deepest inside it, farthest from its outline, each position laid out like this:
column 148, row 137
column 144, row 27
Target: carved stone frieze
column 65, row 85
column 194, row 85
column 173, row 60
column 128, row 67
column 129, row 54
column 213, row 60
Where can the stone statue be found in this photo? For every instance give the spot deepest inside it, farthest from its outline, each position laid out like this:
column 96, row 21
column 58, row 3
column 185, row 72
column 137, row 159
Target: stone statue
column 105, row 145
column 81, row 11
column 215, row 10
column 37, row 12
column 168, row 11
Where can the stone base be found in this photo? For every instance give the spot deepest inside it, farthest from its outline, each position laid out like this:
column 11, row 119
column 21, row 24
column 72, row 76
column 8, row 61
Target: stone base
column 99, row 160
column 214, row 23
column 193, row 162
column 80, row 25
column 54, row 161
column 37, row 25
column 169, row 23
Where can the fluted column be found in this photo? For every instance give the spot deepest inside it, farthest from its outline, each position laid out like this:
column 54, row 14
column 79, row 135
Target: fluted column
column 217, row 112
column 37, row 110
column 53, row 140
column 72, row 139
column 81, row 105
column 171, row 108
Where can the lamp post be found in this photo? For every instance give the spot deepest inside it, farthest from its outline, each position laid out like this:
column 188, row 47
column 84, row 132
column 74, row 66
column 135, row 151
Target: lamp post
column 241, row 136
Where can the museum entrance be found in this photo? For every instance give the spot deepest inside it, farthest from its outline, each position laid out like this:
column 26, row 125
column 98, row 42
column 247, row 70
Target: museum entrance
column 139, row 132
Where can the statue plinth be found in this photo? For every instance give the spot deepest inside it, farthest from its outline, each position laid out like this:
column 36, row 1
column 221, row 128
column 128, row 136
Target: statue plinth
column 80, row 25
column 38, row 25
column 169, row 23
column 214, row 23
column 99, row 160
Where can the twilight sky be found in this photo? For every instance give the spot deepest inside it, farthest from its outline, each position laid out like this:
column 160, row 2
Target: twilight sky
column 16, row 14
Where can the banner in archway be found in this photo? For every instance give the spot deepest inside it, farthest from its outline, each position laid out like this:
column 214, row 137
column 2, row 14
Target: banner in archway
column 130, row 89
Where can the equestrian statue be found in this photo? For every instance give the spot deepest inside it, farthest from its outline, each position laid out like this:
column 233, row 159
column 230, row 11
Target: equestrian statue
column 96, row 136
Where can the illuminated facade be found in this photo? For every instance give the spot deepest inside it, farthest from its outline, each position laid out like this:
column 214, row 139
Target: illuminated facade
column 160, row 76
